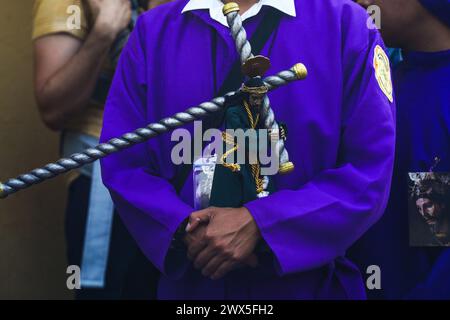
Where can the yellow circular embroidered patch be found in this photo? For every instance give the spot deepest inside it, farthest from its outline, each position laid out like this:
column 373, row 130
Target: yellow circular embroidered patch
column 383, row 72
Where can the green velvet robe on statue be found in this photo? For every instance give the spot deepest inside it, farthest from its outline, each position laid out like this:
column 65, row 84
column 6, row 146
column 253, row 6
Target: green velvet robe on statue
column 233, row 189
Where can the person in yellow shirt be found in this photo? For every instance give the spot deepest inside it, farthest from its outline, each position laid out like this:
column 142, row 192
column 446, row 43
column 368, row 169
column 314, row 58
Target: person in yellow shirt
column 76, row 46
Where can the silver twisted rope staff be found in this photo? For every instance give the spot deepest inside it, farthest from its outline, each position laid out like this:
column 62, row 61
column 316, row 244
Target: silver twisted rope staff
column 130, row 139
column 269, row 123
column 231, row 11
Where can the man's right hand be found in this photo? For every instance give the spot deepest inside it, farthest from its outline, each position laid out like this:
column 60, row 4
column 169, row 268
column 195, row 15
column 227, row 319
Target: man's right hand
column 110, row 16
column 195, row 241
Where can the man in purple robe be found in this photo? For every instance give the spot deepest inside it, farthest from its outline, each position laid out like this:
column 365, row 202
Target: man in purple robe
column 342, row 136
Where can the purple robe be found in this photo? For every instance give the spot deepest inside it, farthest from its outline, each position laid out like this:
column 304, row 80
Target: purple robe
column 341, row 140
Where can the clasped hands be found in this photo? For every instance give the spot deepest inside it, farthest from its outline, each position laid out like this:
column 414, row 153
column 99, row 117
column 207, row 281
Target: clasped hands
column 220, row 240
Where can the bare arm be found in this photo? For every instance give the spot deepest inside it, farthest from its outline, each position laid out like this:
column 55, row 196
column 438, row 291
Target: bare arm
column 66, row 69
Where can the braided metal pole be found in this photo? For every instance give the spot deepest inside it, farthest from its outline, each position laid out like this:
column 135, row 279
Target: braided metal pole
column 231, row 11
column 270, row 123
column 130, row 139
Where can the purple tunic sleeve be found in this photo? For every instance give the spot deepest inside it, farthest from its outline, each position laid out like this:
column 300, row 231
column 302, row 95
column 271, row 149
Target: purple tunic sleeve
column 146, row 201
column 309, row 227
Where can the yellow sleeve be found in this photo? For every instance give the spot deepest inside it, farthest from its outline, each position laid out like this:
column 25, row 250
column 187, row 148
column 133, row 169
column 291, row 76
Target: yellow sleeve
column 56, row 16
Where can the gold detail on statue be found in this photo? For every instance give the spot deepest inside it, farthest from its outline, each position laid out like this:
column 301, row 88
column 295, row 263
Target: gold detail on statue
column 300, row 71
column 253, row 123
column 256, row 169
column 256, row 175
column 229, row 140
column 230, row 7
column 258, row 90
column 232, row 166
column 286, row 168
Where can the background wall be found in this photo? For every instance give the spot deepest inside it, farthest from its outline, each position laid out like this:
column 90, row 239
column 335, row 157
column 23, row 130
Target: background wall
column 32, row 256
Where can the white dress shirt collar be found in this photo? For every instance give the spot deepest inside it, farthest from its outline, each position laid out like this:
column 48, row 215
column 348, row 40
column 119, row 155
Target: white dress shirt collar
column 215, row 8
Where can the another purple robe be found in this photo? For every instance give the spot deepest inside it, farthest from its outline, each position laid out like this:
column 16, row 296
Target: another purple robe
column 341, row 140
